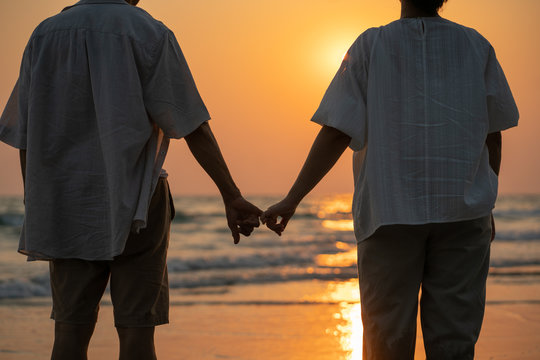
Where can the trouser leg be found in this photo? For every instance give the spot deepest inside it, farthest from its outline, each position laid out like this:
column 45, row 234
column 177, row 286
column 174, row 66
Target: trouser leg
column 454, row 288
column 390, row 266
column 77, row 287
column 139, row 279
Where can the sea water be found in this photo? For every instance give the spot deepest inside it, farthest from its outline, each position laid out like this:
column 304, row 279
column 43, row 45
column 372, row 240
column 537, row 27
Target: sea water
column 317, row 244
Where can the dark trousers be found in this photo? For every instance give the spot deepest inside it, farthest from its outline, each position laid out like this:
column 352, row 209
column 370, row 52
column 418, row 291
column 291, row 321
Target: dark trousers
column 449, row 262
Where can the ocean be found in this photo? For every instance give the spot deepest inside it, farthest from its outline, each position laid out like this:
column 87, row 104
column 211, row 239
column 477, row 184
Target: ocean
column 318, row 245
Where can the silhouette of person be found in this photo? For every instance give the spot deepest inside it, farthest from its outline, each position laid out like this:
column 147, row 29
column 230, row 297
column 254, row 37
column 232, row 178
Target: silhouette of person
column 422, row 102
column 103, row 87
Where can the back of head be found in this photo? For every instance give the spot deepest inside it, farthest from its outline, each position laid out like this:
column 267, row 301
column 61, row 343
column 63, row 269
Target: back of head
column 428, row 6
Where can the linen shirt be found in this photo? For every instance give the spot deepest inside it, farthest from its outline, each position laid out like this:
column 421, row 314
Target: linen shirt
column 102, row 88
column 418, row 98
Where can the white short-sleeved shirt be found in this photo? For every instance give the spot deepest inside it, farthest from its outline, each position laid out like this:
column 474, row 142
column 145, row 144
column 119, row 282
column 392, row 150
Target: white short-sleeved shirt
column 418, row 97
column 102, row 88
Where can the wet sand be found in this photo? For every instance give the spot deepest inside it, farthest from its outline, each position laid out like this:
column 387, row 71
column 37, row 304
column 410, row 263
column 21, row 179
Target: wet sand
column 275, row 322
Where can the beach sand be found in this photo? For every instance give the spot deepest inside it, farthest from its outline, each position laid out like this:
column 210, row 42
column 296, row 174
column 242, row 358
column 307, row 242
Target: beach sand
column 272, row 322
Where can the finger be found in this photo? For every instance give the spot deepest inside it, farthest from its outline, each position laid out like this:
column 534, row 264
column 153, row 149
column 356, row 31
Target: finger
column 277, row 231
column 269, row 212
column 277, row 228
column 284, row 222
column 264, row 216
column 235, row 233
column 270, row 222
column 274, row 227
column 252, row 220
column 246, row 230
column 267, row 215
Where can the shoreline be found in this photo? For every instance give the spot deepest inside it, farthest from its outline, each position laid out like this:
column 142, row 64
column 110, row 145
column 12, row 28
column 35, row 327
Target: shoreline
column 316, row 320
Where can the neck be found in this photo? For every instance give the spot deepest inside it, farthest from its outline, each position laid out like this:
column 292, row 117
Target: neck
column 410, row 11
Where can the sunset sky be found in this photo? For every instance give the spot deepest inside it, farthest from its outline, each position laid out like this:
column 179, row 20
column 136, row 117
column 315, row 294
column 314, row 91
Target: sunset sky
column 262, row 68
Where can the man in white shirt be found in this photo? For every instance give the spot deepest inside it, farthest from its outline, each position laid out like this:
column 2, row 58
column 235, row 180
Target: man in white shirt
column 103, row 87
column 422, row 102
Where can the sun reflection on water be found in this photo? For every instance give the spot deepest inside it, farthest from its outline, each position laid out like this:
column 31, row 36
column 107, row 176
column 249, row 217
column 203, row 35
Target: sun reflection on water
column 348, row 330
column 335, row 213
column 338, row 225
column 344, row 259
column 337, row 205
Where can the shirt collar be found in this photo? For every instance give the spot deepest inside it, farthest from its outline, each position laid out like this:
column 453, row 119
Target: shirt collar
column 82, row 2
column 93, row 2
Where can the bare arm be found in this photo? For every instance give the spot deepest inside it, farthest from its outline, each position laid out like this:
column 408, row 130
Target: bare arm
column 22, row 157
column 205, row 149
column 242, row 216
column 494, row 144
column 325, row 151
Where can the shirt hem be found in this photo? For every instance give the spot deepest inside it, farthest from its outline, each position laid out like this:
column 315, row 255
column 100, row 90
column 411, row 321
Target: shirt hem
column 361, row 238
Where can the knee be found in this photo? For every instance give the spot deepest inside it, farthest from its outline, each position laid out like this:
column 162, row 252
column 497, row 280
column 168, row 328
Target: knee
column 74, row 332
column 71, row 341
column 136, row 334
column 136, row 343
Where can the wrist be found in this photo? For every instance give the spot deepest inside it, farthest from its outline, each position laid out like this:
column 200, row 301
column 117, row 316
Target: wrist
column 293, row 199
column 231, row 195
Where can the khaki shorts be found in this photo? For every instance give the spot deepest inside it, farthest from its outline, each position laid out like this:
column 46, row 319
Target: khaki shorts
column 138, row 277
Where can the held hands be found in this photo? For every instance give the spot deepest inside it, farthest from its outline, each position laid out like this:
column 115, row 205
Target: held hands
column 242, row 217
column 284, row 209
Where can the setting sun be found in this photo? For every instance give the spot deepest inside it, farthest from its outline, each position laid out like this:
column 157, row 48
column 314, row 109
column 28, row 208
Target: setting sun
column 262, row 68
column 334, row 53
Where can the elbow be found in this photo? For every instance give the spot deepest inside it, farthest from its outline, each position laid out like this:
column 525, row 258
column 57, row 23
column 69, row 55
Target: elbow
column 336, row 136
column 494, row 142
column 201, row 132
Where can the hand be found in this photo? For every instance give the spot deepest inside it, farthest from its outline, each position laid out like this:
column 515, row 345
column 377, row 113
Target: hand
column 242, row 217
column 284, row 209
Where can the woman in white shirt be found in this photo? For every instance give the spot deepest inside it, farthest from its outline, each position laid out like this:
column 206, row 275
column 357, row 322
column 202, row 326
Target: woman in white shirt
column 421, row 102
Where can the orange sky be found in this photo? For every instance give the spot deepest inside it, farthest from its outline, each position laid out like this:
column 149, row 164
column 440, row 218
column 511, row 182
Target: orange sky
column 262, row 67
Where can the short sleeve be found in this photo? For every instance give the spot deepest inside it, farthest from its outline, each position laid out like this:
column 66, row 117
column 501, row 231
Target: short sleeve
column 344, row 104
column 170, row 94
column 14, row 120
column 502, row 109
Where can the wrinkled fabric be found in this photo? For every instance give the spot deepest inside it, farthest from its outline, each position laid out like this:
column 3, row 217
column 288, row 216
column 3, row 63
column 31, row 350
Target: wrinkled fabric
column 418, row 98
column 102, row 88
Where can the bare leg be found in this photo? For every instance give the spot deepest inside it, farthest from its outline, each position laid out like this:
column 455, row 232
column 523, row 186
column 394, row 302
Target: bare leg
column 71, row 341
column 136, row 343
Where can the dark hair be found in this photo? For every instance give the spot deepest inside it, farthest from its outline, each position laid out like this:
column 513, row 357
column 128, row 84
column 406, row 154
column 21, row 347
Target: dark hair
column 429, row 6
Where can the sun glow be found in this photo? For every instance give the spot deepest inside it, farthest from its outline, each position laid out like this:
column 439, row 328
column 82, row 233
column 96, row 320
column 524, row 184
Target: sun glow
column 335, row 53
column 337, row 205
column 344, row 259
column 349, row 329
column 338, row 225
